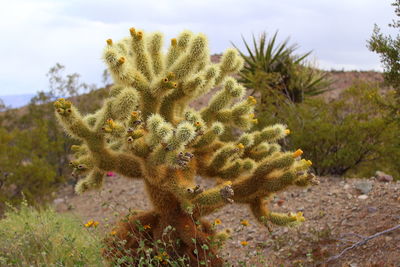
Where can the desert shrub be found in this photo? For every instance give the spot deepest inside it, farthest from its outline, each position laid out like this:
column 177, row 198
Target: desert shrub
column 387, row 47
column 273, row 69
column 30, row 237
column 23, row 166
column 346, row 136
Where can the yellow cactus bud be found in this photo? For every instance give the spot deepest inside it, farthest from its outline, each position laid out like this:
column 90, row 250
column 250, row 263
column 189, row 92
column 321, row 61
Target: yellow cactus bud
column 134, row 114
column 109, row 41
column 197, row 124
column 252, row 116
column 173, row 42
column 175, row 85
column 121, row 60
column 132, row 31
column 139, row 35
column 165, row 80
column 240, row 146
column 255, row 121
column 287, row 131
column 309, row 162
column 297, row 153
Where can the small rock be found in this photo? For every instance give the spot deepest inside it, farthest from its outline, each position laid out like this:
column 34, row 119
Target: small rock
column 346, row 186
column 349, row 196
column 364, row 186
column 372, row 209
column 383, row 177
column 363, row 197
column 58, row 201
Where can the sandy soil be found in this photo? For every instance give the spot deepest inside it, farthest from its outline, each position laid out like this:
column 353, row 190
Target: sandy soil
column 337, row 215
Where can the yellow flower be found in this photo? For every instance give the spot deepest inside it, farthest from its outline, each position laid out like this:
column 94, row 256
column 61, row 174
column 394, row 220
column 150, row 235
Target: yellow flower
column 287, row 131
column 147, row 226
column 298, row 216
column 244, row 243
column 95, row 224
column 217, row 221
column 244, row 222
column 309, row 162
column 113, row 232
column 89, row 223
column 158, row 258
column 297, row 153
column 252, row 99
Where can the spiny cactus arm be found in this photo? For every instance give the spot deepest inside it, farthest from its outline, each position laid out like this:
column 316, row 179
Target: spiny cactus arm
column 223, row 98
column 186, row 63
column 103, row 158
column 259, row 208
column 231, row 62
column 140, row 55
column 213, row 198
column 178, row 47
column 94, row 180
column 185, row 91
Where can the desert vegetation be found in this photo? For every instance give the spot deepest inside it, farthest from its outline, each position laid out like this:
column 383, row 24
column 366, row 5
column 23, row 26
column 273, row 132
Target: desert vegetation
column 204, row 137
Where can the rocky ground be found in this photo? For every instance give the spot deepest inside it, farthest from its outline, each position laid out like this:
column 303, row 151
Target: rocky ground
column 339, row 212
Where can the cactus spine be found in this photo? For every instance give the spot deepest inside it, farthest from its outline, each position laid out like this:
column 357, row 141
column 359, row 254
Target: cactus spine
column 146, row 130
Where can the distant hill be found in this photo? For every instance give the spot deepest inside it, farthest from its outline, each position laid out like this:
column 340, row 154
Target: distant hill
column 16, row 101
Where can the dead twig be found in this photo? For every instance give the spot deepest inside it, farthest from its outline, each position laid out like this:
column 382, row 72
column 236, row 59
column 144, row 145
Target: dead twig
column 362, row 242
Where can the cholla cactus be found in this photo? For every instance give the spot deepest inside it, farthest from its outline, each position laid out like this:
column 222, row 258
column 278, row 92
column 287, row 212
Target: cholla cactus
column 146, row 130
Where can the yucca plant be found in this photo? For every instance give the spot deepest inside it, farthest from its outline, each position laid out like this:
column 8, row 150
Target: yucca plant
column 274, row 69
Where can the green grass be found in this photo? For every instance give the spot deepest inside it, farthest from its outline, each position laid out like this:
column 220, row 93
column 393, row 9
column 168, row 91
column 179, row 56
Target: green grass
column 30, row 237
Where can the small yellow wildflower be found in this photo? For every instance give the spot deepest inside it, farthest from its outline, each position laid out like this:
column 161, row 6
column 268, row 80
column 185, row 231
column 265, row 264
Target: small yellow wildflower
column 299, row 216
column 95, row 224
column 244, row 222
column 147, row 226
column 252, row 99
column 217, row 221
column 244, row 243
column 89, row 223
column 297, row 153
column 158, row 258
column 113, row 232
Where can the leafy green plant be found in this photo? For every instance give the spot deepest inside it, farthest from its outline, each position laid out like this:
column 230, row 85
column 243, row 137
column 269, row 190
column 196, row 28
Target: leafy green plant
column 388, row 48
column 30, row 237
column 273, row 69
column 346, row 136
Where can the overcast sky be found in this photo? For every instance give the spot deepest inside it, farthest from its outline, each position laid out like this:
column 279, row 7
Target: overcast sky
column 37, row 34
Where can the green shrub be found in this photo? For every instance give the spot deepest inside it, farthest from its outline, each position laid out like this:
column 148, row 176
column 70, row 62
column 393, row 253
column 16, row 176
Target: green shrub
column 29, row 237
column 346, row 136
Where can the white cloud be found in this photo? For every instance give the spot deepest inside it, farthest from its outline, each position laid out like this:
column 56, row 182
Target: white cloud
column 37, row 34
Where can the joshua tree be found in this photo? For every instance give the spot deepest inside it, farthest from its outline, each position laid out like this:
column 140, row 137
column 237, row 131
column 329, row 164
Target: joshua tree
column 146, row 130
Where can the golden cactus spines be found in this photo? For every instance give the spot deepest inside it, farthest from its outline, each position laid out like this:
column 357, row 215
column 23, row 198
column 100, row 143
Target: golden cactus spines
column 146, row 129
